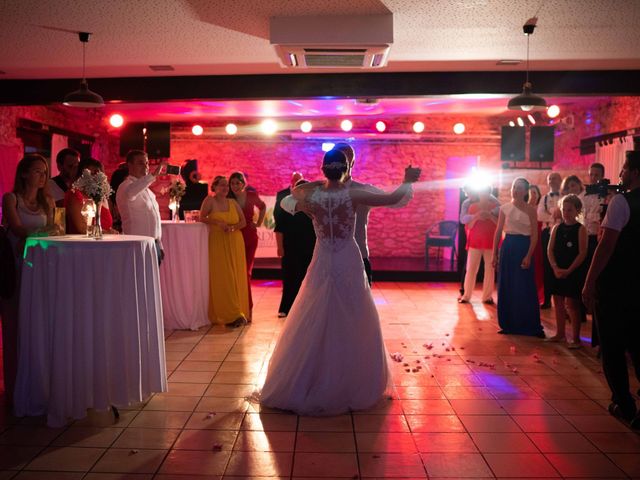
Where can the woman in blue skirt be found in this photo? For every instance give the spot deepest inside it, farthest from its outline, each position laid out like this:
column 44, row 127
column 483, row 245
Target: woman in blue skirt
column 518, row 308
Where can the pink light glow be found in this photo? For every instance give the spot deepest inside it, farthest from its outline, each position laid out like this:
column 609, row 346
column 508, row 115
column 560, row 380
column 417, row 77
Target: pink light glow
column 380, row 126
column 116, row 120
column 418, row 127
column 306, row 127
column 197, row 130
column 346, row 125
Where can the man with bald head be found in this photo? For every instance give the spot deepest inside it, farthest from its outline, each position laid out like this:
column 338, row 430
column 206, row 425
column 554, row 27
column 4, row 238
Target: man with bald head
column 549, row 215
column 296, row 239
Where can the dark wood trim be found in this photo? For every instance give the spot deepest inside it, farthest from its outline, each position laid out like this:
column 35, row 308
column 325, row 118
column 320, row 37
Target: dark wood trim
column 33, row 126
column 245, row 87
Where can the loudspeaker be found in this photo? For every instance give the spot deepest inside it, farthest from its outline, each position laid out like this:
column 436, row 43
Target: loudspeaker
column 512, row 145
column 131, row 138
column 541, row 144
column 158, row 140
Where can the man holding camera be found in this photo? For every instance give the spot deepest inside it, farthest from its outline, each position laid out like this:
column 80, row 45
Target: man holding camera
column 612, row 286
column 137, row 203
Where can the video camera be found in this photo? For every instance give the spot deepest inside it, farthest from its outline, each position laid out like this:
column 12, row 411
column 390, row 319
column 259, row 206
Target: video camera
column 602, row 188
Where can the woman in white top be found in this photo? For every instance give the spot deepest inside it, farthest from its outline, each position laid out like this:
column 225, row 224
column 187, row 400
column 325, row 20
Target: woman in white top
column 27, row 210
column 518, row 308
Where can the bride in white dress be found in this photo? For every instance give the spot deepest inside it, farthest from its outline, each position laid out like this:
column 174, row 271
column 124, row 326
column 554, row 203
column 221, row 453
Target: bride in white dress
column 330, row 357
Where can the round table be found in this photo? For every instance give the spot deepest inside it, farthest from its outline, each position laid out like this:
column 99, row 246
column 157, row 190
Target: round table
column 90, row 329
column 184, row 275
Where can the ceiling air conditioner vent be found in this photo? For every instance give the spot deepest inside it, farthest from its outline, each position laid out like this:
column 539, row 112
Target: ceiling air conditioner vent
column 332, row 42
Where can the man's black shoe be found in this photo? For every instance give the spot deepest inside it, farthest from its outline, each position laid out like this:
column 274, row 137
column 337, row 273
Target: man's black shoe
column 626, row 416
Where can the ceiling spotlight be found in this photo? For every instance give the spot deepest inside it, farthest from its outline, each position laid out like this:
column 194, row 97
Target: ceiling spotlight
column 418, row 127
column 520, row 122
column 306, row 126
column 116, row 120
column 531, row 119
column 197, row 130
column 553, row 111
column 83, row 97
column 527, row 101
column 231, row 129
column 269, row 127
column 512, row 123
column 458, row 128
column 380, row 126
column 346, row 125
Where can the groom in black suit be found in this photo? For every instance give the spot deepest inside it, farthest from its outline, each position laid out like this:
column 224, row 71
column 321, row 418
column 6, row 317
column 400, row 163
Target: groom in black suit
column 296, row 239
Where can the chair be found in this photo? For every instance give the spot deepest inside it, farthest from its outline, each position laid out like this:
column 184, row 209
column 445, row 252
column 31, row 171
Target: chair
column 441, row 235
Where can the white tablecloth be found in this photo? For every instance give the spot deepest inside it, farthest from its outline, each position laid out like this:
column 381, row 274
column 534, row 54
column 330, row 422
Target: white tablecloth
column 184, row 275
column 90, row 333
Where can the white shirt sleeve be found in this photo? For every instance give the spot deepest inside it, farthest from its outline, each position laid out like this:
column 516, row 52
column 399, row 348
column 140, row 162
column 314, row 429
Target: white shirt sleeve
column 618, row 213
column 464, row 212
column 288, row 204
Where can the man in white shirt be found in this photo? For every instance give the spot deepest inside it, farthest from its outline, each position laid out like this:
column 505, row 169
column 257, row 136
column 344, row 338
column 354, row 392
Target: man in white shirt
column 67, row 161
column 549, row 215
column 612, row 287
column 362, row 212
column 137, row 203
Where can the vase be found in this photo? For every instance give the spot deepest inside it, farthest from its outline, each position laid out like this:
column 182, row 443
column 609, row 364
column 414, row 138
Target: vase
column 176, row 212
column 97, row 226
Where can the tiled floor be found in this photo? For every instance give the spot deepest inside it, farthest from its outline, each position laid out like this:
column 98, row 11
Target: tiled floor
column 482, row 405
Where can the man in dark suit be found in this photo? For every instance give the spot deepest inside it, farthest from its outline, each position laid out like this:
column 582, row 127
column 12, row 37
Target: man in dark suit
column 195, row 191
column 296, row 240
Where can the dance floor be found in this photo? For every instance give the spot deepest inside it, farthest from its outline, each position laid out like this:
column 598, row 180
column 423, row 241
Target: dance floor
column 466, row 403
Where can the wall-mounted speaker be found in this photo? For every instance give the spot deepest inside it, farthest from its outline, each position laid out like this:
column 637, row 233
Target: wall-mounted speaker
column 512, row 145
column 131, row 138
column 541, row 144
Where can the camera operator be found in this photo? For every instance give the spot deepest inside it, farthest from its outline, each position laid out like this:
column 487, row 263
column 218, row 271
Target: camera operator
column 612, row 286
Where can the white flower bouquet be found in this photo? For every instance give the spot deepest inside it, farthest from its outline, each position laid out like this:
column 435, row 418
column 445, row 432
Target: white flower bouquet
column 96, row 187
column 176, row 190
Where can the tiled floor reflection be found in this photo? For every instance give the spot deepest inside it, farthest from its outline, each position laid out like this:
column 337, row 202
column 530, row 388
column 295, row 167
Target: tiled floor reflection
column 481, row 405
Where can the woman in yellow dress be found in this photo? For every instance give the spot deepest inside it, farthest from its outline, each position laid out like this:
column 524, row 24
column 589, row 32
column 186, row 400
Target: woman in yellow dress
column 228, row 289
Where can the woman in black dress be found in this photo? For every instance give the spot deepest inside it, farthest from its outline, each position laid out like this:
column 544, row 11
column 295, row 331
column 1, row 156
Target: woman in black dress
column 567, row 252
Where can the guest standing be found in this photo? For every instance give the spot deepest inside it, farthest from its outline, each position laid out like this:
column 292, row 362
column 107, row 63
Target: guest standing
column 567, row 252
column 137, row 203
column 67, row 161
column 228, row 285
column 74, row 199
column 538, row 263
column 518, row 308
column 195, row 190
column 117, row 177
column 549, row 216
column 249, row 201
column 480, row 232
column 296, row 240
column 26, row 210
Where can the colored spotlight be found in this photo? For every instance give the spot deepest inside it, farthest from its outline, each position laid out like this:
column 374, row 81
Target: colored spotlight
column 346, row 125
column 520, row 122
column 553, row 111
column 458, row 128
column 381, row 126
column 231, row 129
column 269, row 127
column 116, row 120
column 306, row 127
column 197, row 130
column 418, row 127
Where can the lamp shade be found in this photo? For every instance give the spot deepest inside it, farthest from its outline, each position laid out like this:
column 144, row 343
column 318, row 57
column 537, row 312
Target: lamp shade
column 527, row 101
column 83, row 97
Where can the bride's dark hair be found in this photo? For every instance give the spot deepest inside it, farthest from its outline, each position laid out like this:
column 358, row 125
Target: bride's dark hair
column 334, row 164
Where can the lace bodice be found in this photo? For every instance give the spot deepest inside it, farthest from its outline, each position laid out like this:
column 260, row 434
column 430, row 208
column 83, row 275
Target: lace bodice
column 333, row 217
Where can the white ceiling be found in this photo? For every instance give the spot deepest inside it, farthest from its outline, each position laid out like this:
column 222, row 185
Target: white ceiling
column 223, row 37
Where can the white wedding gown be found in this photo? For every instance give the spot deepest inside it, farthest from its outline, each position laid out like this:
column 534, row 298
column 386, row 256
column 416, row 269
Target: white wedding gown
column 330, row 357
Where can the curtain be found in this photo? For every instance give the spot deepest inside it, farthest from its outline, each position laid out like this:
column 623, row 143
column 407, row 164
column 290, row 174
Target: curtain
column 612, row 156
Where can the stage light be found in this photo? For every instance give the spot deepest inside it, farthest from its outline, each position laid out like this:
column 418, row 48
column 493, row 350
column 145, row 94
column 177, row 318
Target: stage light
column 346, row 125
column 418, row 127
column 231, row 128
column 511, row 123
column 520, row 122
column 531, row 119
column 458, row 128
column 380, row 126
column 553, row 111
column 197, row 130
column 116, row 120
column 327, row 146
column 477, row 180
column 306, row 127
column 269, row 127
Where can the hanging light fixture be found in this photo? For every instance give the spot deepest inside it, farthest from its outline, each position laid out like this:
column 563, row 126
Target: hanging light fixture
column 527, row 101
column 83, row 97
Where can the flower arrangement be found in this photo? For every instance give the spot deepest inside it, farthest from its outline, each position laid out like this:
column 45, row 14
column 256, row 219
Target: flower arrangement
column 176, row 190
column 96, row 187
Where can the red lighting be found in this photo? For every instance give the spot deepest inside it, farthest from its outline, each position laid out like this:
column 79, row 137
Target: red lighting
column 197, row 130
column 381, row 126
column 116, row 120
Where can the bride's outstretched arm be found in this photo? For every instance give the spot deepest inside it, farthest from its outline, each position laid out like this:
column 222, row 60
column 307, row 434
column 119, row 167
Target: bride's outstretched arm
column 364, row 197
